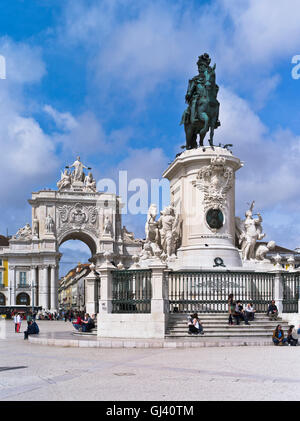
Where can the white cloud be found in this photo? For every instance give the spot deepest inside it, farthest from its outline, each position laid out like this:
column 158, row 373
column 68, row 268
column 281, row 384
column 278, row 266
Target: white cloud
column 270, row 174
column 265, row 30
column 154, row 43
column 27, row 153
column 23, row 62
column 64, row 121
column 144, row 163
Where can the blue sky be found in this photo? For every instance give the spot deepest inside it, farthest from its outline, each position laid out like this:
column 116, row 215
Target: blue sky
column 107, row 80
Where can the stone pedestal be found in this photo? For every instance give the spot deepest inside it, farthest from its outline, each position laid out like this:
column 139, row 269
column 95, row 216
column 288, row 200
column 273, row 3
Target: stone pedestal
column 91, row 292
column 202, row 187
column 278, row 290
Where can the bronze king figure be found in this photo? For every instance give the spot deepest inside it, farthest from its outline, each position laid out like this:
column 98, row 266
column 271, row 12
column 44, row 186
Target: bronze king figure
column 202, row 113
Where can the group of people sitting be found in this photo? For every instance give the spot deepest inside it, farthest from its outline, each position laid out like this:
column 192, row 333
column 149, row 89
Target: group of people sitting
column 85, row 323
column 194, row 324
column 291, row 339
column 238, row 312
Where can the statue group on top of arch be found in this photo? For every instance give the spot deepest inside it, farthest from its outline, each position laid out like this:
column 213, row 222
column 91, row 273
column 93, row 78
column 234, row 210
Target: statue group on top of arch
column 162, row 235
column 249, row 232
column 77, row 178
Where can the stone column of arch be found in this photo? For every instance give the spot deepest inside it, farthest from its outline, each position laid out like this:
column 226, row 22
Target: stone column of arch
column 12, row 285
column 53, row 288
column 43, row 287
column 33, row 286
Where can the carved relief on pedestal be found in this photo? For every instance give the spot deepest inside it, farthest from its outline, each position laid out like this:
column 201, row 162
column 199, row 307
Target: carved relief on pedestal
column 215, row 180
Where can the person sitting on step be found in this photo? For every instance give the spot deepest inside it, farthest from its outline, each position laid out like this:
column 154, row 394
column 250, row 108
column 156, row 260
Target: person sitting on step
column 87, row 323
column 239, row 313
column 272, row 311
column 292, row 336
column 196, row 328
column 278, row 336
column 78, row 322
column 32, row 329
column 249, row 311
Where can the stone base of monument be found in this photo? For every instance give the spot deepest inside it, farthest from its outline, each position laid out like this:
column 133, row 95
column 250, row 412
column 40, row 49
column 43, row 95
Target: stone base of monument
column 201, row 257
column 123, row 325
column 202, row 190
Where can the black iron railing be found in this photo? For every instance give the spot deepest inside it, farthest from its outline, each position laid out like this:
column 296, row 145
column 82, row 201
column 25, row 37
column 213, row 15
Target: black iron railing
column 20, row 286
column 131, row 291
column 291, row 291
column 207, row 292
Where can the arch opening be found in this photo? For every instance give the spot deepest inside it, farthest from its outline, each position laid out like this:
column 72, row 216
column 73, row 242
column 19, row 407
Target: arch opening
column 74, row 265
column 2, row 299
column 81, row 236
column 23, row 299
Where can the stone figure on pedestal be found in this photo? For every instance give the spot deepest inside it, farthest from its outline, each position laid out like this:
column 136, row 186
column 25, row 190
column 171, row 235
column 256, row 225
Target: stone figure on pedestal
column 90, row 183
column 161, row 236
column 49, row 225
column 78, row 174
column 108, row 228
column 128, row 237
column 35, row 226
column 24, row 233
column 249, row 232
column 202, row 113
column 65, row 180
column 151, row 230
column 263, row 249
column 168, row 229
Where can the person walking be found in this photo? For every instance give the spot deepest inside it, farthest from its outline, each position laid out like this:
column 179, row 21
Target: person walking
column 16, row 322
column 28, row 319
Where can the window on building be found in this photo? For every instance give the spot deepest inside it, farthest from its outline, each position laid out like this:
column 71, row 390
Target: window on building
column 1, row 262
column 1, row 278
column 23, row 278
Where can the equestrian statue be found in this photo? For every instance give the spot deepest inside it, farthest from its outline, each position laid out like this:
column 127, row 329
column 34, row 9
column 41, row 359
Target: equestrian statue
column 202, row 113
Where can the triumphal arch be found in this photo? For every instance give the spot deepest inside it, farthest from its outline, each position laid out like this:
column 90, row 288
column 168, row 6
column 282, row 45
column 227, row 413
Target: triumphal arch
column 76, row 210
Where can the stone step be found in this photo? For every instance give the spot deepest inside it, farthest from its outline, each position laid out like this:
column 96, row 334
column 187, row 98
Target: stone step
column 228, row 327
column 212, row 315
column 221, row 335
column 226, row 332
column 225, row 322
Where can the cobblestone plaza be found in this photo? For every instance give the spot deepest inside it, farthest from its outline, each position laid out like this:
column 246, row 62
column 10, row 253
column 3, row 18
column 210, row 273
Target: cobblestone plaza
column 36, row 372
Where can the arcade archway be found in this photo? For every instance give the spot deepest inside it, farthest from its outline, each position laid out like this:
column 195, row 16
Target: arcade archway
column 2, row 300
column 23, row 299
column 76, row 251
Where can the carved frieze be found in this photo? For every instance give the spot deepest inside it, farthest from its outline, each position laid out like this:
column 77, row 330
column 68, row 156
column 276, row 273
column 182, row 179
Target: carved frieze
column 77, row 216
column 215, row 180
